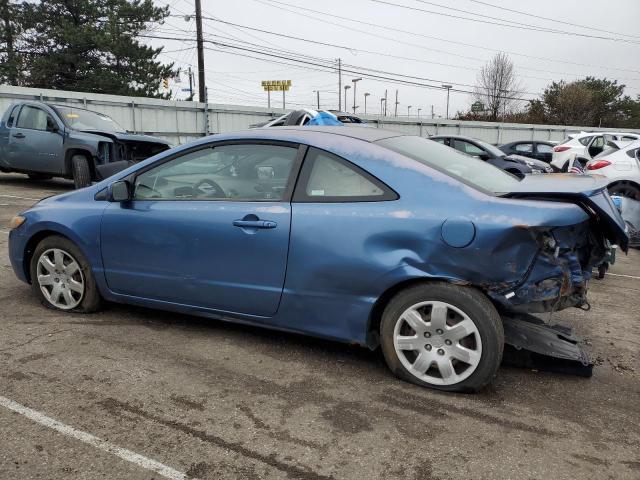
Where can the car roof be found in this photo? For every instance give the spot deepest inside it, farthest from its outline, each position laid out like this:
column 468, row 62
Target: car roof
column 361, row 133
column 459, row 137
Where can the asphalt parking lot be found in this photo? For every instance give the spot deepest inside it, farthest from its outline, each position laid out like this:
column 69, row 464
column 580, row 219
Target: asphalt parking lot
column 212, row 400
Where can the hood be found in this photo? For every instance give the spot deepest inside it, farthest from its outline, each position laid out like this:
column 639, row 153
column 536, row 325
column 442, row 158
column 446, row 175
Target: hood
column 587, row 191
column 127, row 137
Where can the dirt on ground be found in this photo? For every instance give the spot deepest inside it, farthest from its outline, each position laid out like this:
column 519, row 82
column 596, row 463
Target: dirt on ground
column 222, row 401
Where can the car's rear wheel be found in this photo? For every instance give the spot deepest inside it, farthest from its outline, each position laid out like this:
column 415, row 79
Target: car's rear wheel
column 442, row 336
column 80, row 171
column 625, row 189
column 62, row 278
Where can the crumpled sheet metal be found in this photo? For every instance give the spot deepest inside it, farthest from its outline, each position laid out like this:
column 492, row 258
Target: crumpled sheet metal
column 534, row 344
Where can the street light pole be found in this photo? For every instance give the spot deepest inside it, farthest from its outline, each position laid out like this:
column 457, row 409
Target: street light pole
column 365, row 102
column 419, row 112
column 408, row 110
column 448, row 87
column 346, row 87
column 355, row 81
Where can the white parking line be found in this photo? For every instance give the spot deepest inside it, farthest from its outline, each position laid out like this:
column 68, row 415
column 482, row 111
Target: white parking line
column 22, row 198
column 620, row 275
column 100, row 444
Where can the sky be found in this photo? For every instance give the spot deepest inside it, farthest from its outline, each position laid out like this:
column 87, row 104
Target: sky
column 418, row 41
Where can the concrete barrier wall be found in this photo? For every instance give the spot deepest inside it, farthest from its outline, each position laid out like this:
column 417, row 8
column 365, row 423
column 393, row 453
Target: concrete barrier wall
column 180, row 122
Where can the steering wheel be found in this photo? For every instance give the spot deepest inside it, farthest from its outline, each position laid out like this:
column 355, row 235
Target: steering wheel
column 209, row 188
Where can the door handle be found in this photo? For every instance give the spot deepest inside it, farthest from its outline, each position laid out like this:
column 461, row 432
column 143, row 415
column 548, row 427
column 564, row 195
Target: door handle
column 19, row 135
column 254, row 224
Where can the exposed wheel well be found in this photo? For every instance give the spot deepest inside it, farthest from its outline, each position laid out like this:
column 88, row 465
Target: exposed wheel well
column 31, row 246
column 375, row 317
column 77, row 151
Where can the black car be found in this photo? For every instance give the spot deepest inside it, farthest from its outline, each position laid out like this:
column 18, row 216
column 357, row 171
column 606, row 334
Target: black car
column 514, row 164
column 532, row 149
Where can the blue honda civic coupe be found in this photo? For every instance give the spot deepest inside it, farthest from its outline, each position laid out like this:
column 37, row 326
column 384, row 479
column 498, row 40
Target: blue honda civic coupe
column 355, row 234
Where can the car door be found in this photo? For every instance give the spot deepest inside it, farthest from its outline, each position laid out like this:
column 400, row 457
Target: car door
column 544, row 152
column 596, row 146
column 208, row 228
column 525, row 149
column 35, row 144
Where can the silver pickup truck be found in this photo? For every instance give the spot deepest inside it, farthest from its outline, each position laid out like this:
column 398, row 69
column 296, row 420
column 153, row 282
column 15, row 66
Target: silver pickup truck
column 45, row 140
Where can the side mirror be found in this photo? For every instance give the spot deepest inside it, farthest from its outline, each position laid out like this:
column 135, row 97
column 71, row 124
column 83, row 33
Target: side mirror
column 484, row 156
column 119, row 191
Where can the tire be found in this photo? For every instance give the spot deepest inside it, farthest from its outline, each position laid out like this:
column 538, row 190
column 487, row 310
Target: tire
column 80, row 171
column 482, row 347
column 39, row 176
column 602, row 270
column 45, row 277
column 625, row 189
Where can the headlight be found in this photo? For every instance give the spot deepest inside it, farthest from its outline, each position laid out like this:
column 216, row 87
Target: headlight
column 16, row 221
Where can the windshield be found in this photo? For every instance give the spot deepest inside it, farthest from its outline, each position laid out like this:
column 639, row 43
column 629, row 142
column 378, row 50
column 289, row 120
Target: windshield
column 85, row 120
column 469, row 170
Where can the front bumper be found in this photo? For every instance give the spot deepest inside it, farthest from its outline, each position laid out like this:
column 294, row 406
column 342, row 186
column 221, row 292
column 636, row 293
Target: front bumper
column 17, row 248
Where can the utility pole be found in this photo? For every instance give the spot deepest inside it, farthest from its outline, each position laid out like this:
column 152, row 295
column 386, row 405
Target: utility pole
column 433, row 115
column 355, row 82
column 284, row 103
column 318, row 96
column 448, row 87
column 340, row 86
column 385, row 102
column 382, row 107
column 365, row 102
column 200, row 45
column 190, row 85
column 346, row 87
column 395, row 112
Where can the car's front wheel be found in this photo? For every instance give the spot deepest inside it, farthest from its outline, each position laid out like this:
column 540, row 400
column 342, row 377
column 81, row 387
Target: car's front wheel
column 442, row 336
column 80, row 171
column 62, row 277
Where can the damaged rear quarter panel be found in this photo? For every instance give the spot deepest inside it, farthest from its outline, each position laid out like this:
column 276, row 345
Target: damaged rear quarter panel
column 386, row 243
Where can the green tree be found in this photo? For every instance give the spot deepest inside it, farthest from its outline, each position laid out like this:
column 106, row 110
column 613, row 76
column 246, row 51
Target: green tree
column 93, row 46
column 10, row 55
column 590, row 102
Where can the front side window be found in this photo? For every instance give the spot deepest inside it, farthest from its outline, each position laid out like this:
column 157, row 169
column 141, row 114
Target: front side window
column 468, row 148
column 247, row 172
column 544, row 148
column 12, row 116
column 34, row 118
column 524, row 147
column 329, row 178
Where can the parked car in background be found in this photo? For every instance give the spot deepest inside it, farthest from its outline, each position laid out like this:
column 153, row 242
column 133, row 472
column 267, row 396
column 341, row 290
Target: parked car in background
column 517, row 165
column 540, row 150
column 361, row 235
column 620, row 163
column 586, row 145
column 305, row 115
column 45, row 140
column 346, row 117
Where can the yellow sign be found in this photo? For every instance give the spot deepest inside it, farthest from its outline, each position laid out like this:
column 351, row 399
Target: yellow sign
column 276, row 85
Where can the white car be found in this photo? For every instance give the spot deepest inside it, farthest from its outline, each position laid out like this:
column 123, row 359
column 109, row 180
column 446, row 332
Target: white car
column 586, row 145
column 620, row 163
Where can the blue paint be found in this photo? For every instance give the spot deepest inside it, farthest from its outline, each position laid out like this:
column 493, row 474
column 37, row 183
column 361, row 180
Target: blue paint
column 458, row 232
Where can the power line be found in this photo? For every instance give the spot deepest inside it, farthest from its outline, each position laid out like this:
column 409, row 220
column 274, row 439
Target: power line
column 562, row 22
column 297, row 9
column 534, row 29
